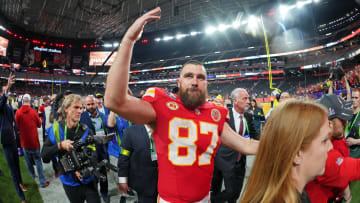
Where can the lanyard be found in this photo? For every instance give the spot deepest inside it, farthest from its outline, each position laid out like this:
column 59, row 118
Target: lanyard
column 118, row 117
column 352, row 124
column 246, row 125
column 94, row 123
column 150, row 139
column 151, row 146
column 102, row 127
column 65, row 133
column 149, row 133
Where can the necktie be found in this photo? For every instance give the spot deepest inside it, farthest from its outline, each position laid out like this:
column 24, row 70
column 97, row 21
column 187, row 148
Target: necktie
column 241, row 129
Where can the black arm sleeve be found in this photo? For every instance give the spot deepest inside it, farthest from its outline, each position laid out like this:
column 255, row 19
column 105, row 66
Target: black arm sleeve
column 123, row 161
column 262, row 116
column 251, row 126
column 3, row 100
column 48, row 151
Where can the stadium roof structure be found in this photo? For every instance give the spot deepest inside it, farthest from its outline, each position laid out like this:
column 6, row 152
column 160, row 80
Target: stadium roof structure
column 92, row 19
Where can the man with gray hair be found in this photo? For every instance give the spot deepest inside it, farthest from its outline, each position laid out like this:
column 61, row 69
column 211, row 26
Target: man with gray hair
column 229, row 164
column 27, row 120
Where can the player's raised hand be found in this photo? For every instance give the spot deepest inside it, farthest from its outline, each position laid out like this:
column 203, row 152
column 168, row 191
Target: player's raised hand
column 135, row 30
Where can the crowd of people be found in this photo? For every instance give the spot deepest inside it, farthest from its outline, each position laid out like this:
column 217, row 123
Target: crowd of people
column 183, row 145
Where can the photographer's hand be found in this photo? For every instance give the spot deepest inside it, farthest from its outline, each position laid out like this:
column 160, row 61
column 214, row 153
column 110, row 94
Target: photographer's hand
column 123, row 188
column 67, row 145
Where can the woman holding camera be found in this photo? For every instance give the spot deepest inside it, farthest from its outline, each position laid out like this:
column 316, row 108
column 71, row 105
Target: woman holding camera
column 61, row 139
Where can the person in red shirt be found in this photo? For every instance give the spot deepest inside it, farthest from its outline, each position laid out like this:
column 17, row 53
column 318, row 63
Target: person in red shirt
column 42, row 114
column 27, row 120
column 340, row 169
column 187, row 128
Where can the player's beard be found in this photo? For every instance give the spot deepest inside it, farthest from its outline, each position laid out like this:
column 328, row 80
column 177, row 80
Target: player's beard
column 192, row 97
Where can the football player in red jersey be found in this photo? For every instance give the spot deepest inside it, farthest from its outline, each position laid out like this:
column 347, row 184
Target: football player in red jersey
column 187, row 129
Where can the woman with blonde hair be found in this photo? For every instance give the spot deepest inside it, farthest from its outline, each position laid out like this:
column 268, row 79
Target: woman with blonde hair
column 293, row 150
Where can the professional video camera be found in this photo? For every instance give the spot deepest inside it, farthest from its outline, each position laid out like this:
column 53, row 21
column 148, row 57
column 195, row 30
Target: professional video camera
column 83, row 159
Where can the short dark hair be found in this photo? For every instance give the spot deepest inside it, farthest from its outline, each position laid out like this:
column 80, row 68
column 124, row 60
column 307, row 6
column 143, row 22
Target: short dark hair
column 193, row 62
column 99, row 95
column 356, row 89
column 46, row 98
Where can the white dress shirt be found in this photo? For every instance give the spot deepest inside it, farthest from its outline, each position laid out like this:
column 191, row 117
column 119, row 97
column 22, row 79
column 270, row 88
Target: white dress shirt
column 237, row 121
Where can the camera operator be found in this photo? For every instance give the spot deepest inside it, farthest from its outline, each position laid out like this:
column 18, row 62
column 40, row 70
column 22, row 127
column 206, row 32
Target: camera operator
column 96, row 121
column 61, row 138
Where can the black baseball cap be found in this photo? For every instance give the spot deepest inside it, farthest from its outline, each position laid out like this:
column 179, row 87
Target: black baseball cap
column 99, row 95
column 336, row 106
column 67, row 92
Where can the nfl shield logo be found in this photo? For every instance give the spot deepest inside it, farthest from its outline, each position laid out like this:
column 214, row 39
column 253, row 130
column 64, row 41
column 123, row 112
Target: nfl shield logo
column 215, row 115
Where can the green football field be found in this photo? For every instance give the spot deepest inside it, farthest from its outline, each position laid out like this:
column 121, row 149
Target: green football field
column 7, row 188
column 355, row 191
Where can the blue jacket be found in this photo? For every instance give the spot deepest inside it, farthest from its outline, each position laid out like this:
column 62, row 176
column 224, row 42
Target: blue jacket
column 107, row 111
column 86, row 119
column 114, row 145
column 68, row 179
column 7, row 121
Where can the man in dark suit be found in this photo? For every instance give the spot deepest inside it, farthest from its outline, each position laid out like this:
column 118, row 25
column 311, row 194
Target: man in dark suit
column 229, row 164
column 96, row 121
column 138, row 163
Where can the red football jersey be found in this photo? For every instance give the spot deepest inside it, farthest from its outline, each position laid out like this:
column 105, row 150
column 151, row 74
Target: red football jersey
column 186, row 143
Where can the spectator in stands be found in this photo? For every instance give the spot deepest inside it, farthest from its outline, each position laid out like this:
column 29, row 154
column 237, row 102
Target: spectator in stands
column 230, row 165
column 100, row 104
column 138, row 164
column 42, row 114
column 8, row 139
column 218, row 100
column 347, row 86
column 292, row 152
column 280, row 98
column 356, row 77
column 27, row 120
column 340, row 168
column 258, row 115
